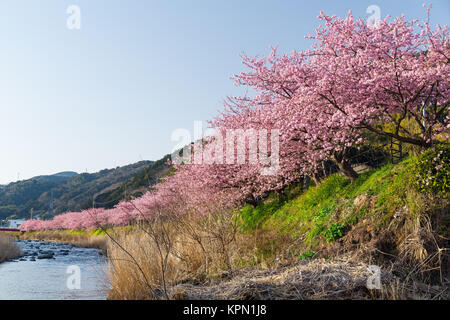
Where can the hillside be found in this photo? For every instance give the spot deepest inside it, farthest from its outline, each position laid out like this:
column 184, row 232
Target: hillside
column 71, row 191
column 135, row 186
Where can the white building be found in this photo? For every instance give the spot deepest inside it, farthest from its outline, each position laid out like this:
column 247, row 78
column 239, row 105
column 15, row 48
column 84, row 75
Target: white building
column 14, row 224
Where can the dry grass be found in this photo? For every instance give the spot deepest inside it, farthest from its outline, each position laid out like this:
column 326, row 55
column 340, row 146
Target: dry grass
column 413, row 290
column 136, row 272
column 421, row 245
column 313, row 279
column 79, row 240
column 8, row 248
column 310, row 280
column 147, row 261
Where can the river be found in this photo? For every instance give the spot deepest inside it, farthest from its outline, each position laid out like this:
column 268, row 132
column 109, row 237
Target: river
column 54, row 271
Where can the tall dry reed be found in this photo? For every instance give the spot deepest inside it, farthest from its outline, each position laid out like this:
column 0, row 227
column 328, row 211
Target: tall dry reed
column 147, row 261
column 8, row 248
column 83, row 240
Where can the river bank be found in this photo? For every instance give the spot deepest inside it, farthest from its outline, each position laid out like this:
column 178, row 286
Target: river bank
column 316, row 279
column 83, row 239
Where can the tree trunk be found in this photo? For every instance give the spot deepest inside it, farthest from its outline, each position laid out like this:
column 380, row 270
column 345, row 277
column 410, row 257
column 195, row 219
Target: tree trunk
column 414, row 141
column 305, row 183
column 347, row 170
column 345, row 166
column 252, row 201
column 282, row 195
column 316, row 178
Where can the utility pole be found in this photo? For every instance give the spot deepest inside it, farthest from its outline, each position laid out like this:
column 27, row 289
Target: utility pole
column 31, row 213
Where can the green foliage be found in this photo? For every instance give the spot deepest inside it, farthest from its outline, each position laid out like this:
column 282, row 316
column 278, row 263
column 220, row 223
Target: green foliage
column 323, row 214
column 322, row 211
column 432, row 170
column 320, row 221
column 336, row 231
column 97, row 232
column 76, row 231
column 307, row 255
column 252, row 218
column 301, row 216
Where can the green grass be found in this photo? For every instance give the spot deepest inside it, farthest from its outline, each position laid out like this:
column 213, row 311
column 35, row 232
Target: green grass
column 76, row 231
column 334, row 232
column 252, row 218
column 307, row 255
column 97, row 232
column 324, row 212
column 309, row 213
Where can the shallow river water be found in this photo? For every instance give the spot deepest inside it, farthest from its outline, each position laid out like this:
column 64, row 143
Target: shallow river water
column 54, row 271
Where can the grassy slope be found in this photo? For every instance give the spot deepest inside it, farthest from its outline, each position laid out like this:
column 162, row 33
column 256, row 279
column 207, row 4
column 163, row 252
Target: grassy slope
column 379, row 201
column 335, row 201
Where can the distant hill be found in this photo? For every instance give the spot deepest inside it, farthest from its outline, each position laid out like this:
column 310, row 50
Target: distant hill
column 135, row 186
column 71, row 191
column 66, row 174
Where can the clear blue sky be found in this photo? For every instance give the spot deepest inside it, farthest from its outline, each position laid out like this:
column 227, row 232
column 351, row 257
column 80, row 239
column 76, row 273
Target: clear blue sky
column 112, row 92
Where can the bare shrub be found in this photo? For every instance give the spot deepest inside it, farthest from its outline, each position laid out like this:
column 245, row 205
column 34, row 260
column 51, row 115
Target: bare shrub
column 167, row 248
column 213, row 237
column 8, row 248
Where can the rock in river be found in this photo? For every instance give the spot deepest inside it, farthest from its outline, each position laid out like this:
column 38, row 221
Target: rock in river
column 45, row 256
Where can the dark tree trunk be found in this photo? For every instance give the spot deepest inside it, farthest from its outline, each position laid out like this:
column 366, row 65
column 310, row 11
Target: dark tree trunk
column 252, row 201
column 305, row 183
column 414, row 141
column 281, row 195
column 316, row 178
column 345, row 166
column 347, row 171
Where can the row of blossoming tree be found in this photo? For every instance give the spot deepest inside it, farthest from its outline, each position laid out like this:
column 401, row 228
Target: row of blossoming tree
column 390, row 79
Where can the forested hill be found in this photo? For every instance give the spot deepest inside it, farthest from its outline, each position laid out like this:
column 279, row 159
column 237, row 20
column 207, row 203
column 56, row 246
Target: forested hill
column 71, row 191
column 135, row 186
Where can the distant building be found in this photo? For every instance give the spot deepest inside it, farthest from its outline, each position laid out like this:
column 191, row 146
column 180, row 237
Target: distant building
column 15, row 224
